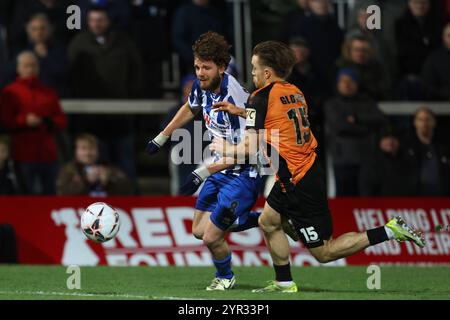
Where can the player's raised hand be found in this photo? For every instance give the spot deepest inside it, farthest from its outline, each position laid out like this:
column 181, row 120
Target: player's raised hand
column 229, row 107
column 154, row 145
column 194, row 180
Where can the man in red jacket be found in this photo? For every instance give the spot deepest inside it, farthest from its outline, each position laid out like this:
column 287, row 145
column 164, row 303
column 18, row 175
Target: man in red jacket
column 31, row 112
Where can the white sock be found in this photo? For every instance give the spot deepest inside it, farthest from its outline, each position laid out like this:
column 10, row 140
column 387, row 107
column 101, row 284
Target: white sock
column 389, row 233
column 284, row 283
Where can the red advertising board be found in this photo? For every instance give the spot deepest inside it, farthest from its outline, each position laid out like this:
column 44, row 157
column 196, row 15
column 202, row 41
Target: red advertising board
column 156, row 231
column 427, row 214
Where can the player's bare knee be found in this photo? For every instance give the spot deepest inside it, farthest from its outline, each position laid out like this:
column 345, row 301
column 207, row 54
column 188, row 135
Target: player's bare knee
column 266, row 224
column 266, row 228
column 208, row 241
column 211, row 242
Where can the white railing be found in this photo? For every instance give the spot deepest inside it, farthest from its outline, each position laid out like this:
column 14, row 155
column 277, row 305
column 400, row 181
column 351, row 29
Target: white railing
column 409, row 107
column 118, row 106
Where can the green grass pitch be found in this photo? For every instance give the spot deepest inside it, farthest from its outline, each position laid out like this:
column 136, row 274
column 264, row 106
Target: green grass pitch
column 50, row 282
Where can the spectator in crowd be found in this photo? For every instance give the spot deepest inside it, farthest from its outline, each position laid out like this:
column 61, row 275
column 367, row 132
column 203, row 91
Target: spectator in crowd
column 189, row 22
column 10, row 181
column 52, row 56
column 55, row 10
column 436, row 70
column 32, row 113
column 374, row 36
column 94, row 55
column 359, row 55
column 352, row 121
column 106, row 64
column 86, row 176
column 390, row 12
column 431, row 160
column 118, row 10
column 320, row 29
column 417, row 33
column 389, row 173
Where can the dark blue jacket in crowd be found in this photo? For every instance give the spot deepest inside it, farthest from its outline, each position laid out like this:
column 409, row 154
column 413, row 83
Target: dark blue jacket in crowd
column 436, row 74
column 325, row 39
column 53, row 69
column 415, row 40
column 189, row 22
column 431, row 167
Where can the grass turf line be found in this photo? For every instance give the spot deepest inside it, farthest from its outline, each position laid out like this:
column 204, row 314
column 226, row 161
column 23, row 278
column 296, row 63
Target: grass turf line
column 137, row 283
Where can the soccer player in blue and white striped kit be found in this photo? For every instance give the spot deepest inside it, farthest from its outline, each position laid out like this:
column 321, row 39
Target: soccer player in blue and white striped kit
column 227, row 196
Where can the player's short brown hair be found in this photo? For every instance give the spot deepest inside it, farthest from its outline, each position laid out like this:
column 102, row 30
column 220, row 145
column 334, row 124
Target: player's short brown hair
column 212, row 46
column 275, row 55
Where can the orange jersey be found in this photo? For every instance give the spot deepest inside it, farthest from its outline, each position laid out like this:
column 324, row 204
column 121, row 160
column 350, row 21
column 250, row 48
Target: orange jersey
column 280, row 108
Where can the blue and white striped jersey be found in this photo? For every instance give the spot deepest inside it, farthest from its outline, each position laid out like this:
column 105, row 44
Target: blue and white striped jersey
column 222, row 124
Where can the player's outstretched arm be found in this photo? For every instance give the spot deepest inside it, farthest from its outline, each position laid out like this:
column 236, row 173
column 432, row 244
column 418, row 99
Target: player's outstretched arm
column 196, row 177
column 183, row 116
column 230, row 108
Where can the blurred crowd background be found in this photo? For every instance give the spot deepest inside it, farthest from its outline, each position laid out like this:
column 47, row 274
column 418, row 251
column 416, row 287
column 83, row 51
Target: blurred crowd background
column 133, row 50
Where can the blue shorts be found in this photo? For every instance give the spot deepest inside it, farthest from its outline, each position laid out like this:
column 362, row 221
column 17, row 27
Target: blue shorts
column 229, row 197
